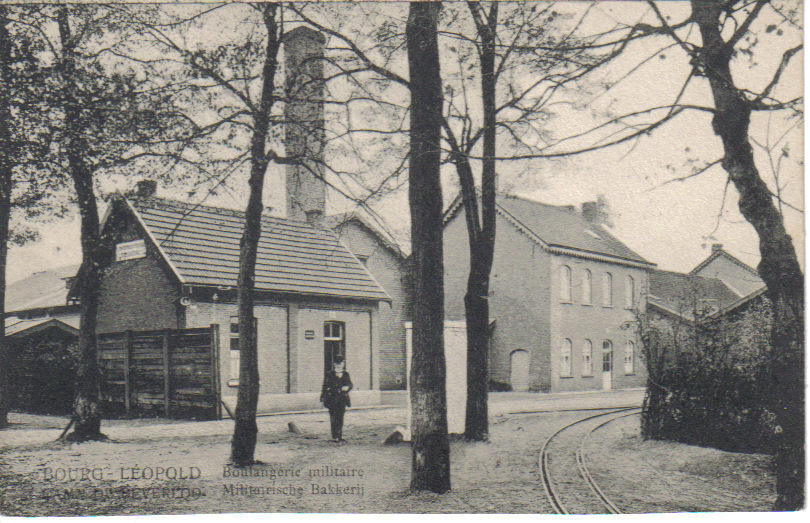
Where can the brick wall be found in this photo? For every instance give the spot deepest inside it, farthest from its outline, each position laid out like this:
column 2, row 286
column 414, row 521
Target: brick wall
column 272, row 342
column 390, row 271
column 578, row 321
column 519, row 290
column 735, row 277
column 139, row 294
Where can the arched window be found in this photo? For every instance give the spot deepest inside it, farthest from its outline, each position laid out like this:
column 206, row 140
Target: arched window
column 565, row 358
column 629, row 292
column 587, row 358
column 587, row 287
column 607, row 290
column 629, row 357
column 565, row 283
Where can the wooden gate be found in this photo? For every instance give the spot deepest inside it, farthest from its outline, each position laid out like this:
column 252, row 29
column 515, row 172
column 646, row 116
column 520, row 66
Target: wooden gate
column 170, row 372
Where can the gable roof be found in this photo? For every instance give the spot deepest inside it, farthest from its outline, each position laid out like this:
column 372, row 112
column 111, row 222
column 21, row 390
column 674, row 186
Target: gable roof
column 718, row 253
column 16, row 327
column 201, row 245
column 560, row 230
column 675, row 292
column 41, row 290
column 336, row 221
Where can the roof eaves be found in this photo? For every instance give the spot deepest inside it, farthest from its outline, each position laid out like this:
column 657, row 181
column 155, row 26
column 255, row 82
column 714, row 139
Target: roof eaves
column 581, row 253
column 154, row 241
column 390, row 244
column 387, row 296
column 739, row 303
column 520, row 226
column 668, row 311
column 52, row 322
column 730, row 257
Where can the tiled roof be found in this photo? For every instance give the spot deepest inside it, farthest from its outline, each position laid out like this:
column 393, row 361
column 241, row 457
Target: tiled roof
column 561, row 227
column 41, row 290
column 681, row 293
column 564, row 227
column 202, row 243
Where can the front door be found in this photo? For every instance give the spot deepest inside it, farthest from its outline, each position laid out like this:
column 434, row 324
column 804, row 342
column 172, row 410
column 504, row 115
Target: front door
column 334, row 343
column 607, row 365
column 519, row 375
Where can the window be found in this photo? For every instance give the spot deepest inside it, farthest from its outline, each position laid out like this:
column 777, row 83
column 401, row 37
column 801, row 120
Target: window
column 334, row 343
column 587, row 358
column 565, row 359
column 607, row 290
column 565, row 283
column 607, row 356
column 233, row 344
column 629, row 357
column 629, row 292
column 587, row 289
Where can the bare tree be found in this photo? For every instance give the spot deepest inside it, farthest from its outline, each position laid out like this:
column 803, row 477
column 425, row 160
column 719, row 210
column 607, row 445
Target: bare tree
column 243, row 444
column 430, row 448
column 726, row 31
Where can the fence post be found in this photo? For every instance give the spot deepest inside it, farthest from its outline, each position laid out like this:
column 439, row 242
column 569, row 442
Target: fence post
column 127, row 370
column 166, row 388
column 214, row 329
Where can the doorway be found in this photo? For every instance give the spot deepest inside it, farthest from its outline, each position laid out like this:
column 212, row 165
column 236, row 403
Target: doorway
column 607, row 365
column 519, row 371
column 334, row 343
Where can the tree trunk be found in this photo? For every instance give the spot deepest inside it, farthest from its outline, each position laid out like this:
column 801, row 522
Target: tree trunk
column 243, row 444
column 476, row 309
column 779, row 266
column 430, row 464
column 482, row 244
column 86, row 412
column 6, row 164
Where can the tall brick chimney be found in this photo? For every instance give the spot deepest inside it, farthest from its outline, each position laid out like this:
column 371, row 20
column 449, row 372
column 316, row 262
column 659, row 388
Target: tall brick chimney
column 304, row 123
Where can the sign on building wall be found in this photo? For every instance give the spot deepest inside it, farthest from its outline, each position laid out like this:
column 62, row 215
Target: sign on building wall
column 130, row 250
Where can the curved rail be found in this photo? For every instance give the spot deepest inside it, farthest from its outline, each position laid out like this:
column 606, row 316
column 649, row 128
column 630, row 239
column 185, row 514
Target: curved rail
column 545, row 475
column 583, row 465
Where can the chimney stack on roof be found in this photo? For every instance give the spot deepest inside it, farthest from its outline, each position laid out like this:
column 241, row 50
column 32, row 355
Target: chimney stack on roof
column 596, row 212
column 717, row 247
column 304, row 122
column 145, row 189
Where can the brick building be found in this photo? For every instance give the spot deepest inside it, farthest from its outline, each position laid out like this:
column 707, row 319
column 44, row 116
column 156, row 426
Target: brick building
column 736, row 275
column 562, row 292
column 174, row 265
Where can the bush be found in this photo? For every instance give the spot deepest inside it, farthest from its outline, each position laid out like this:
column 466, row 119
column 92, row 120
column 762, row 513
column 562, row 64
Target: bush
column 708, row 381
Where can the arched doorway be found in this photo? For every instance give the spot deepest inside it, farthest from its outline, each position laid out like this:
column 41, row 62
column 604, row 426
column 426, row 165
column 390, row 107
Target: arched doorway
column 519, row 373
column 607, row 365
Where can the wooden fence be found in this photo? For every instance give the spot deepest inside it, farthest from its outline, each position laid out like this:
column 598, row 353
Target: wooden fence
column 171, row 372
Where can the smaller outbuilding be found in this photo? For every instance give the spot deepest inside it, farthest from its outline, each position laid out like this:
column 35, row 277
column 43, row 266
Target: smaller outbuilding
column 41, row 330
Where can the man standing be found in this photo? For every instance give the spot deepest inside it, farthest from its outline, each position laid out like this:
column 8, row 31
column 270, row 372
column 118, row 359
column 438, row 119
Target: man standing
column 335, row 397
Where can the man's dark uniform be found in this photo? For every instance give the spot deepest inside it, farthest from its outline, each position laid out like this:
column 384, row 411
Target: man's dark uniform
column 336, row 400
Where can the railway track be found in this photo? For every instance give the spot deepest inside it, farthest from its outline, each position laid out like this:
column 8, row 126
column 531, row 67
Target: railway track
column 567, row 481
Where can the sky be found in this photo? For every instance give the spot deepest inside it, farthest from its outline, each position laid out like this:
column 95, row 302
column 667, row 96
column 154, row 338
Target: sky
column 671, row 224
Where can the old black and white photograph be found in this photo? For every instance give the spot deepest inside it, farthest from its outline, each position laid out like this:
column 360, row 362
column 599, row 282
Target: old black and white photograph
column 389, row 257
